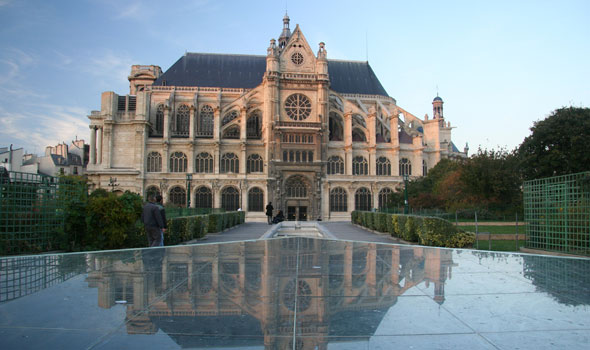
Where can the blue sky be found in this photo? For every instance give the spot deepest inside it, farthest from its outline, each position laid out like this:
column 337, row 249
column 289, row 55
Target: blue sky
column 498, row 65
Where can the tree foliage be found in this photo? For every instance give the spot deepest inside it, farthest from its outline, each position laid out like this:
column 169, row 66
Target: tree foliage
column 558, row 145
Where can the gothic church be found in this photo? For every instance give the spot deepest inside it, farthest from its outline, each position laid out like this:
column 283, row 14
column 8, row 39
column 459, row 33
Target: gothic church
column 317, row 137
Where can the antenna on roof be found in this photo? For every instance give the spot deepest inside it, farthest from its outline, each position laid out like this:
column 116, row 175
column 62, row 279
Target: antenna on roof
column 367, row 44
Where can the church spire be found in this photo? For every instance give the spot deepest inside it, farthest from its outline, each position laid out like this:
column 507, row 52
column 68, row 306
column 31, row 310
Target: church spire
column 286, row 34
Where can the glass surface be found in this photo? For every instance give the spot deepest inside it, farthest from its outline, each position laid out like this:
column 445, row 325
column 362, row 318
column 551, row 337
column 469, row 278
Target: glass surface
column 294, row 293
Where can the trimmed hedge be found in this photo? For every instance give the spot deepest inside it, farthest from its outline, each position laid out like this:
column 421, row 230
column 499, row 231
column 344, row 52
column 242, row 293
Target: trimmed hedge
column 183, row 229
column 430, row 231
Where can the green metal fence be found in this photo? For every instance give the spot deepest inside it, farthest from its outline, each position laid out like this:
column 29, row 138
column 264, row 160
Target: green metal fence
column 32, row 210
column 557, row 212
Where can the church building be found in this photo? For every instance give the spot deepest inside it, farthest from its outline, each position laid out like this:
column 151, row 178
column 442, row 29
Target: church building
column 317, row 137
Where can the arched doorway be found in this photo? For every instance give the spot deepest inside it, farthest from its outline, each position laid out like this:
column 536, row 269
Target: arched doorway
column 298, row 193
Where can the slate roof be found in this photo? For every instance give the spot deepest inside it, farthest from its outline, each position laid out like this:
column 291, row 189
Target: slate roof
column 246, row 72
column 73, row 159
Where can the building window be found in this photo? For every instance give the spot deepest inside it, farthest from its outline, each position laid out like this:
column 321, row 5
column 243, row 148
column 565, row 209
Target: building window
column 152, row 191
column 297, row 58
column 385, row 197
column 178, row 162
column 177, row 196
column 230, row 199
column 154, row 162
column 181, row 123
column 383, row 166
column 298, row 107
column 296, row 187
column 253, row 126
column 205, row 122
column 362, row 199
column 229, row 117
column 335, row 126
column 230, row 163
column 233, row 132
column 255, row 199
column 424, row 168
column 255, row 164
column 159, row 125
column 358, row 136
column 75, row 170
column 405, row 167
column 338, row 200
column 203, row 197
column 335, row 165
column 204, row 163
column 360, row 166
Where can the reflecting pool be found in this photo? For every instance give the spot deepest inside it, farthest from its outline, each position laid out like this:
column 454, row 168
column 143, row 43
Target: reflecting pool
column 294, row 293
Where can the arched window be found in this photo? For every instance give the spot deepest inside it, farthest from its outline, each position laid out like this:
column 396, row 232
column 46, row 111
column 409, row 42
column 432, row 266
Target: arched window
column 152, row 190
column 205, row 122
column 181, row 123
column 385, row 197
column 383, row 166
column 405, row 167
column 424, row 168
column 335, row 126
column 177, row 196
column 254, row 126
column 232, row 132
column 204, row 163
column 338, row 200
column 296, row 187
column 335, row 165
column 178, row 162
column 154, row 162
column 203, row 197
column 358, row 136
column 363, row 199
column 230, row 163
column 229, row 117
column 158, row 128
column 255, row 199
column 360, row 166
column 254, row 164
column 230, row 199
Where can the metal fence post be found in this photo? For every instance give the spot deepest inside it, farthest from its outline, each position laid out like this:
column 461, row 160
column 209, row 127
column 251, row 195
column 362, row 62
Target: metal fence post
column 516, row 231
column 476, row 233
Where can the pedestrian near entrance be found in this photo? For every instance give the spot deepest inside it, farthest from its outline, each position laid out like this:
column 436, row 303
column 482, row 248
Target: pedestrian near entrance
column 163, row 214
column 269, row 210
column 152, row 221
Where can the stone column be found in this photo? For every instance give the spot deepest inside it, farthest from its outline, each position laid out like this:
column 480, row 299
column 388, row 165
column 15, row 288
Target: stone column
column 243, row 159
column 191, row 123
column 348, row 142
column 92, row 144
column 216, row 123
column 166, row 123
column 99, row 148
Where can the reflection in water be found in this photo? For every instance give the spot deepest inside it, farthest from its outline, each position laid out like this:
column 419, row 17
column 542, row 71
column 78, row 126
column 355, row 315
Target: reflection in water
column 247, row 293
column 560, row 277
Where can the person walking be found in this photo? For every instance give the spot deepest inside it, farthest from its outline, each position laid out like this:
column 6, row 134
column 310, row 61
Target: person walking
column 269, row 210
column 163, row 214
column 152, row 221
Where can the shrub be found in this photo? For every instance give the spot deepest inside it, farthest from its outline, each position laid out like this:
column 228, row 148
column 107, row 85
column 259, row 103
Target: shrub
column 215, row 223
column 381, row 222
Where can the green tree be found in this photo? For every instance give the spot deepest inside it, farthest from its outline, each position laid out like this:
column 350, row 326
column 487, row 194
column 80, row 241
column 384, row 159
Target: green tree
column 558, row 145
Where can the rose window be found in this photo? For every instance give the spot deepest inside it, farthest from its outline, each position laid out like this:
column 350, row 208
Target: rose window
column 298, row 107
column 301, row 294
column 297, row 58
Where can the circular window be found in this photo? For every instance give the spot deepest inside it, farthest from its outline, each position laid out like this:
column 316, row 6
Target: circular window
column 297, row 58
column 298, row 107
column 300, row 292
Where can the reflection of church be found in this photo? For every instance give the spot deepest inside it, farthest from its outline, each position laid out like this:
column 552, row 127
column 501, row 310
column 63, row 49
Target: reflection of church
column 318, row 137
column 248, row 290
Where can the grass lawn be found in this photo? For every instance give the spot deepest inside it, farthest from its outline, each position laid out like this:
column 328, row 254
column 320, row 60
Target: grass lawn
column 500, row 246
column 502, row 230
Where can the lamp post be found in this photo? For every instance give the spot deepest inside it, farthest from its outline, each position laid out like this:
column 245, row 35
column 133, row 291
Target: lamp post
column 406, row 205
column 189, row 177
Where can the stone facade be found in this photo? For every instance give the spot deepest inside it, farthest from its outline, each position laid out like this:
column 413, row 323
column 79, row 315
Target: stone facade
column 316, row 137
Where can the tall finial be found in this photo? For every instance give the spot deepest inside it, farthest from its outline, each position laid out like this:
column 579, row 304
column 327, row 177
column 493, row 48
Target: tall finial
column 286, row 33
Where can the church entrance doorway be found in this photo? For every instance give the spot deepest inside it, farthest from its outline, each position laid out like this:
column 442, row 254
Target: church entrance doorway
column 297, row 210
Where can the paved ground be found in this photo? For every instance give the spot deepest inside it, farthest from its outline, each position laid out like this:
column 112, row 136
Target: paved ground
column 255, row 230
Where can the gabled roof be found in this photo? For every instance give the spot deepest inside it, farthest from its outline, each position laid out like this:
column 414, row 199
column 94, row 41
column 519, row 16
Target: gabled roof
column 247, row 71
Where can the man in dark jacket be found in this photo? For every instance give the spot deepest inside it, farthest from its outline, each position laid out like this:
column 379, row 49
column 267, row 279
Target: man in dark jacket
column 163, row 213
column 152, row 220
column 269, row 210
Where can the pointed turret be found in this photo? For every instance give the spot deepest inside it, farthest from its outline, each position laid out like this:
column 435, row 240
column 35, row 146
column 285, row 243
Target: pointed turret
column 286, row 33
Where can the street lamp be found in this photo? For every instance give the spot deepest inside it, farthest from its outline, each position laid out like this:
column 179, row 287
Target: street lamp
column 189, row 177
column 406, row 204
